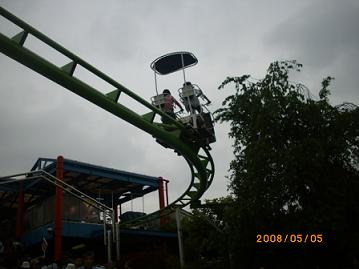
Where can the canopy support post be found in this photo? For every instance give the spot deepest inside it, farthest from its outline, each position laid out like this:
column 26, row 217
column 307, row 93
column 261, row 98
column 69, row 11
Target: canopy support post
column 184, row 73
column 156, row 82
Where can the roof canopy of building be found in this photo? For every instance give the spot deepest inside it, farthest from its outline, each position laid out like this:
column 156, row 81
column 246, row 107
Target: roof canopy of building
column 105, row 184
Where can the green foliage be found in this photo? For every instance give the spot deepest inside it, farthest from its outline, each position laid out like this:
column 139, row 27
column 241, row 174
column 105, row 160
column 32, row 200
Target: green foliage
column 296, row 167
column 206, row 235
column 296, row 171
column 324, row 92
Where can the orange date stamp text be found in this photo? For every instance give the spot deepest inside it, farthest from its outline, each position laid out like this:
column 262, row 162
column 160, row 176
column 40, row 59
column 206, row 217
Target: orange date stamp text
column 298, row 238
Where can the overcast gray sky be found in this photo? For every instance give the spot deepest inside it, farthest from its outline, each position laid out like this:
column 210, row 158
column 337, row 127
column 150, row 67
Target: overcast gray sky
column 39, row 118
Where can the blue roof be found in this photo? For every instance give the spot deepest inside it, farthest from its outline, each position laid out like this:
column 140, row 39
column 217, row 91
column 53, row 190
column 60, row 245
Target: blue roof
column 88, row 178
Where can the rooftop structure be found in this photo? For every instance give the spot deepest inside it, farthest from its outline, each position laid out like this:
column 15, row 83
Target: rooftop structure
column 40, row 207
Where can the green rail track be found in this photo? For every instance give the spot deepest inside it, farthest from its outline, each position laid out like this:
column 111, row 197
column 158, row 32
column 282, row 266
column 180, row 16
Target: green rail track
column 198, row 158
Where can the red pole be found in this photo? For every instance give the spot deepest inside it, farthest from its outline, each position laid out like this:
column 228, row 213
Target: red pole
column 20, row 211
column 161, row 195
column 166, row 192
column 58, row 209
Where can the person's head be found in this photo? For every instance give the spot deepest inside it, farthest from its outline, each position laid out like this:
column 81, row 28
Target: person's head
column 78, row 261
column 166, row 92
column 70, row 266
column 88, row 259
column 187, row 83
column 25, row 264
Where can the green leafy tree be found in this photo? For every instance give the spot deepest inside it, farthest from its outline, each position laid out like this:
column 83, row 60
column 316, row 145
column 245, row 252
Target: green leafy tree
column 296, row 171
column 206, row 235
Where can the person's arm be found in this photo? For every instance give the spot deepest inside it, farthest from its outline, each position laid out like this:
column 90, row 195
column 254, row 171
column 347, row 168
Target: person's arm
column 205, row 97
column 177, row 103
column 201, row 94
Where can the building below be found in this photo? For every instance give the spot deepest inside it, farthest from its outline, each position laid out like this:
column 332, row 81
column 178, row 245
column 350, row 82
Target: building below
column 59, row 208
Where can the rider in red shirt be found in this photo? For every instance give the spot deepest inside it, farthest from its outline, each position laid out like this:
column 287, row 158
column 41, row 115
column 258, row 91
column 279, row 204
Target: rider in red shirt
column 169, row 103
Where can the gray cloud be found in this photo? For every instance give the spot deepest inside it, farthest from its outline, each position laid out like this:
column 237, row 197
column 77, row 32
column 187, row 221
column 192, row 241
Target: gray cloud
column 324, row 37
column 321, row 33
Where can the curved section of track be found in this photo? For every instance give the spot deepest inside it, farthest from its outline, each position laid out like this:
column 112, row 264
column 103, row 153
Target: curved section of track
column 199, row 159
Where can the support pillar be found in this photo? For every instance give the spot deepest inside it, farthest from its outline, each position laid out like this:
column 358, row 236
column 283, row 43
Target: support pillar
column 58, row 210
column 118, row 241
column 179, row 235
column 166, row 191
column 161, row 195
column 20, row 211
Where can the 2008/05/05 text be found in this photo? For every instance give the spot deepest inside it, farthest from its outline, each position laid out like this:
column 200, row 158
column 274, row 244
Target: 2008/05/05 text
column 289, row 238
